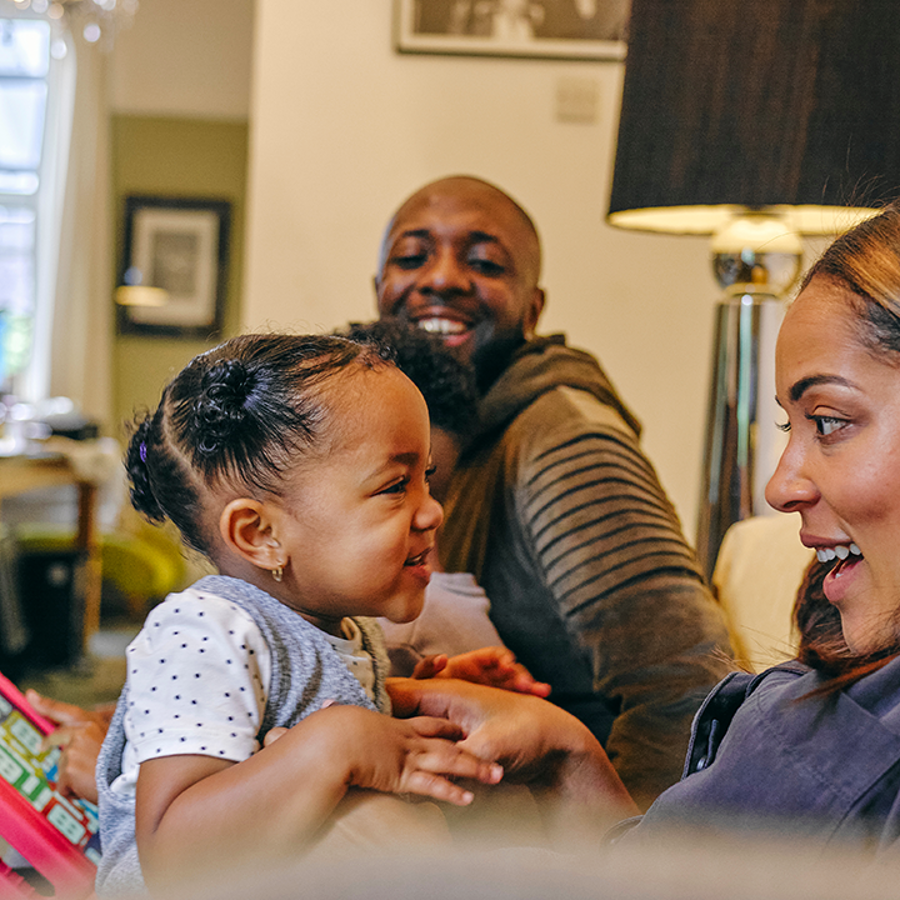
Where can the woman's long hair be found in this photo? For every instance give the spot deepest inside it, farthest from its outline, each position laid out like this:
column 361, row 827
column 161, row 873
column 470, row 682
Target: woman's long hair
column 822, row 645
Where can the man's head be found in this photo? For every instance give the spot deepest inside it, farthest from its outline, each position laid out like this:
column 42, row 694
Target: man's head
column 462, row 259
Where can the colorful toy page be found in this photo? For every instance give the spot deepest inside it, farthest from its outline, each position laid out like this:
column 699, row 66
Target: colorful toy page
column 57, row 836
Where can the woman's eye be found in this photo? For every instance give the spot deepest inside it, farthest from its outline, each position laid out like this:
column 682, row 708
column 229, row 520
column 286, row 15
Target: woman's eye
column 429, row 472
column 828, row 425
column 783, row 426
column 398, row 487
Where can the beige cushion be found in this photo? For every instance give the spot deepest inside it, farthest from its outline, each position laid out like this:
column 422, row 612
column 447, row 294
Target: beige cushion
column 760, row 566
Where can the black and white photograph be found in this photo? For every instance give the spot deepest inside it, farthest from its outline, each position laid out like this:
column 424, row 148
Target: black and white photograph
column 567, row 29
column 179, row 247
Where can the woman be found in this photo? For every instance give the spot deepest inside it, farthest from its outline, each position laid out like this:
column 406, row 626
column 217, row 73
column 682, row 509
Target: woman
column 812, row 746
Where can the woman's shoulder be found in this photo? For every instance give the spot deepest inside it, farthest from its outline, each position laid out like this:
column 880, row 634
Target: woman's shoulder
column 725, row 700
column 783, row 700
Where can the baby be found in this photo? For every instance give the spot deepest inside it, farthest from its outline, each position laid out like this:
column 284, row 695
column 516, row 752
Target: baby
column 299, row 465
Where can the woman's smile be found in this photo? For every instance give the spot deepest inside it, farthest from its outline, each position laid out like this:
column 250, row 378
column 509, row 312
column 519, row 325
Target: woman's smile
column 839, row 580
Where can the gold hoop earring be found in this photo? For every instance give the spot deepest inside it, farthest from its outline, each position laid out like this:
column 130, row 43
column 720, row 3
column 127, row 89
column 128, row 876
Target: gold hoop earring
column 278, row 573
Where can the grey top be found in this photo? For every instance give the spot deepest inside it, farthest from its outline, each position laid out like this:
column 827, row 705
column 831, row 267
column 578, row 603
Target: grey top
column 306, row 670
column 767, row 758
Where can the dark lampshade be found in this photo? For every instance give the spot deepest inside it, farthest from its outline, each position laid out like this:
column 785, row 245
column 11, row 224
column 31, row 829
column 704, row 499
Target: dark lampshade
column 755, row 121
column 759, row 104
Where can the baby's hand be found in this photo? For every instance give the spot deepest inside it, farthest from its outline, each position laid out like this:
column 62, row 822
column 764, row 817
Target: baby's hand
column 273, row 734
column 395, row 756
column 493, row 666
column 421, row 756
column 431, row 666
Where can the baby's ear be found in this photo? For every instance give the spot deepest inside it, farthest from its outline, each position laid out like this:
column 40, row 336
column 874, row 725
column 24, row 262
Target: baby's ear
column 248, row 527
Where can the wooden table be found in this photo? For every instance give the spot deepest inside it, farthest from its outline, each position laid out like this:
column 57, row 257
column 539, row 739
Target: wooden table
column 20, row 474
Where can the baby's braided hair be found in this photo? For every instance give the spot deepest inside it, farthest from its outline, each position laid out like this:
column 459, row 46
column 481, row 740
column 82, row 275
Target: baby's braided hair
column 239, row 414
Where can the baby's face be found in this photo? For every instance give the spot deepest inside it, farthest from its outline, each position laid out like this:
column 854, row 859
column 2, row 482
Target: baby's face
column 359, row 523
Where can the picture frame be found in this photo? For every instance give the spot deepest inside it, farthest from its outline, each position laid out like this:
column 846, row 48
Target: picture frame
column 179, row 245
column 553, row 29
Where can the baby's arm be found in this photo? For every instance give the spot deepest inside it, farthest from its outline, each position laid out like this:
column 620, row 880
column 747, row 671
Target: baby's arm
column 198, row 813
column 491, row 666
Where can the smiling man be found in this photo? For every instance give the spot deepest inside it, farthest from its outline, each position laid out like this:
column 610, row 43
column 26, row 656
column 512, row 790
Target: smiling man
column 462, row 260
column 553, row 507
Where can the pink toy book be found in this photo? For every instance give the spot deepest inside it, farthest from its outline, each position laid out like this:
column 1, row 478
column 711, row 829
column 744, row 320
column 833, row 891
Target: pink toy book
column 56, row 835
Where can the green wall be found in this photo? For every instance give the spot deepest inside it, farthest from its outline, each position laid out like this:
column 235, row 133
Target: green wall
column 169, row 157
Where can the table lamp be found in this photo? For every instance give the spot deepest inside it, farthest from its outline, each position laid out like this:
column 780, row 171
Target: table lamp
column 756, row 123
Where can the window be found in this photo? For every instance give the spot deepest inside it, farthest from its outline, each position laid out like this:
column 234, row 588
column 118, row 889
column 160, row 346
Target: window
column 35, row 122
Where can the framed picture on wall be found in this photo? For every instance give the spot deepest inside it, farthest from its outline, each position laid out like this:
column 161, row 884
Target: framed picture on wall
column 172, row 277
column 560, row 29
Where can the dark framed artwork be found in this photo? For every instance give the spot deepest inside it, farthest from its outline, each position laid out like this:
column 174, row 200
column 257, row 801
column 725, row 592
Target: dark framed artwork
column 181, row 246
column 559, row 29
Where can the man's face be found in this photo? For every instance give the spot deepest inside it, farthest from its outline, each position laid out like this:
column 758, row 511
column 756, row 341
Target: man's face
column 460, row 260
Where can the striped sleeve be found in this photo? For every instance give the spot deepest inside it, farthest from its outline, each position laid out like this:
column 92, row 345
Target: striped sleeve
column 628, row 587
column 597, row 491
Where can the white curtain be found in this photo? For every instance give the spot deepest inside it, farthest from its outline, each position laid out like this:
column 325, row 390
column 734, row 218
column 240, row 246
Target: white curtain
column 80, row 344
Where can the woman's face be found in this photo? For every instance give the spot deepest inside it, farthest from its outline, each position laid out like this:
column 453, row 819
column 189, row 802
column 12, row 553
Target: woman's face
column 841, row 467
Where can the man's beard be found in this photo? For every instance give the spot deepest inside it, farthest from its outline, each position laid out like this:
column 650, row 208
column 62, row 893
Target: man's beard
column 490, row 360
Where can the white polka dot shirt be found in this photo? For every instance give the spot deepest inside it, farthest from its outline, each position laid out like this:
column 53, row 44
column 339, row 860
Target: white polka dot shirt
column 197, row 681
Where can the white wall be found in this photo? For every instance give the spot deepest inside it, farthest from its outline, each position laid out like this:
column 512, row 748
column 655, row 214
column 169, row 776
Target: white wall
column 185, row 58
column 343, row 128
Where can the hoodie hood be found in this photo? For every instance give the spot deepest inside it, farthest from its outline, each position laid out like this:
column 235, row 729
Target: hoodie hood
column 542, row 364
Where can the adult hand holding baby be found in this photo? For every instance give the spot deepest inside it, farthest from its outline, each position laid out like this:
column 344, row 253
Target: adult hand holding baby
column 537, row 743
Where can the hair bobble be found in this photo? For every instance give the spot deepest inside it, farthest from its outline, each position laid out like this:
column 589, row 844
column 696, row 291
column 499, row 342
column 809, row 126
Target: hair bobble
column 219, row 408
column 143, row 497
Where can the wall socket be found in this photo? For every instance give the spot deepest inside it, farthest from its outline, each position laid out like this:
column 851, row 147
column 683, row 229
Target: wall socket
column 577, row 100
